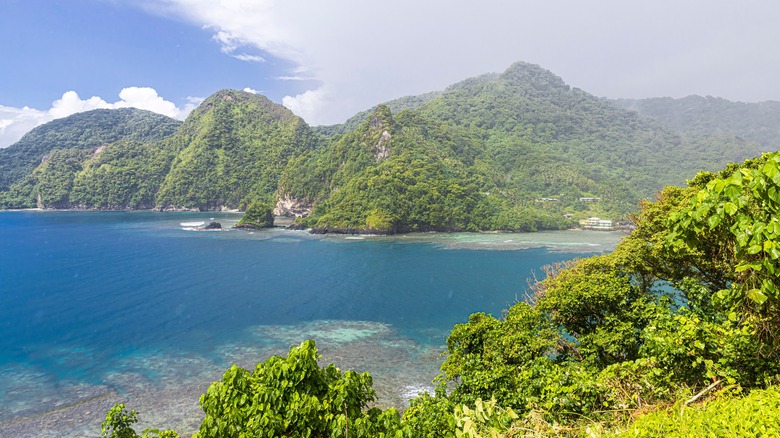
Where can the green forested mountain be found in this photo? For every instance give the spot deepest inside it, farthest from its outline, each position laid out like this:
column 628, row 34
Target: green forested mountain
column 395, row 105
column 520, row 150
column 528, row 114
column 755, row 122
column 522, row 147
column 86, row 130
column 231, row 150
column 402, row 173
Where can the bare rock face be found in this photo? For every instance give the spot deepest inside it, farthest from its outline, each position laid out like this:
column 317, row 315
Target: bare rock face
column 290, row 206
column 213, row 226
column 381, row 149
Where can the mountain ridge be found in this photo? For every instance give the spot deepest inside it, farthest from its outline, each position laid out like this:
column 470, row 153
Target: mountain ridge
column 519, row 150
column 85, row 130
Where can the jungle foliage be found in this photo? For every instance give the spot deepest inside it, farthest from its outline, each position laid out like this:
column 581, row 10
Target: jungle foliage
column 228, row 153
column 685, row 310
column 87, row 130
column 257, row 215
column 231, row 151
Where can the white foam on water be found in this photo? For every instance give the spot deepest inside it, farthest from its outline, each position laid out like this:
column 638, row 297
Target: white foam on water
column 192, row 224
column 411, row 391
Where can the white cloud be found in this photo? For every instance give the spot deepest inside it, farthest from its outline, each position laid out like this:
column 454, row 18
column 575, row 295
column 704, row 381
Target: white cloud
column 230, row 44
column 250, row 90
column 71, row 103
column 15, row 122
column 363, row 54
column 307, row 103
column 249, row 58
column 147, row 98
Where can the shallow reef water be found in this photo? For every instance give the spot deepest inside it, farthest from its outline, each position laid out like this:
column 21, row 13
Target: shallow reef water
column 136, row 308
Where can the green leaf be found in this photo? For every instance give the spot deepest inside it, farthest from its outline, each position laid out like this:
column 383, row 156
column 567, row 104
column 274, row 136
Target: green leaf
column 730, row 208
column 757, row 296
column 713, row 221
column 756, row 266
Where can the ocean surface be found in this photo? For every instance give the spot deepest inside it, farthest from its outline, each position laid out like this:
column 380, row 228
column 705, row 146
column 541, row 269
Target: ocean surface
column 142, row 308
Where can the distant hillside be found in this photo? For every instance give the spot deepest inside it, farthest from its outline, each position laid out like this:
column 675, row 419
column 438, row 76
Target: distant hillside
column 520, row 151
column 395, row 105
column 755, row 122
column 86, row 130
column 527, row 116
column 520, row 148
column 229, row 152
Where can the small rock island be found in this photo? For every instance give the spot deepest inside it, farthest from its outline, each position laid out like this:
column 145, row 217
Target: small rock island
column 258, row 215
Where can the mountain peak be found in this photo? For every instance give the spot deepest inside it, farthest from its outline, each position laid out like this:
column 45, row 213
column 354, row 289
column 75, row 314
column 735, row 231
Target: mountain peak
column 381, row 119
column 253, row 104
column 532, row 76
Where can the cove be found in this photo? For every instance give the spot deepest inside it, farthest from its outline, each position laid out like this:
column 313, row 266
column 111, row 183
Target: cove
column 138, row 308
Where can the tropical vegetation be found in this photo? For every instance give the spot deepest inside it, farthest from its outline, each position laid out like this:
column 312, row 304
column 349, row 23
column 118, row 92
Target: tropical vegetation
column 516, row 151
column 674, row 332
column 87, row 130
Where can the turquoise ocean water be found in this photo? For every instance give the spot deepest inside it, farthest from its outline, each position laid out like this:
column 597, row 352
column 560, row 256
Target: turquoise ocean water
column 139, row 308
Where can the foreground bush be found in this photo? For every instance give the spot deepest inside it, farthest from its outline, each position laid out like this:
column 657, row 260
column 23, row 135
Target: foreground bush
column 753, row 415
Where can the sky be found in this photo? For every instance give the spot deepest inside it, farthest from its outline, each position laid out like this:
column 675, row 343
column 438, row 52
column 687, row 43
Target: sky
column 327, row 60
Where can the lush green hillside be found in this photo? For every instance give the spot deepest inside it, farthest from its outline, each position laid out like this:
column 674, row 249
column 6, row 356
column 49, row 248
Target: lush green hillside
column 512, row 151
column 232, row 150
column 86, row 130
column 755, row 122
column 528, row 115
column 50, row 184
column 229, row 152
column 522, row 149
column 407, row 173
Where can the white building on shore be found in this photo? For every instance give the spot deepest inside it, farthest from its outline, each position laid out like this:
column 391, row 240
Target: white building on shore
column 596, row 223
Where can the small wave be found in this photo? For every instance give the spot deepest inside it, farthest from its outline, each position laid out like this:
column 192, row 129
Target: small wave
column 355, row 238
column 412, row 391
column 192, row 224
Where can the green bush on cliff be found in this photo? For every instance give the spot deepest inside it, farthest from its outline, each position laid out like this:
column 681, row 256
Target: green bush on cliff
column 257, row 215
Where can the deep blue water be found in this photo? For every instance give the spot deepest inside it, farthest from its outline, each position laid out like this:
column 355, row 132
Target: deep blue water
column 113, row 284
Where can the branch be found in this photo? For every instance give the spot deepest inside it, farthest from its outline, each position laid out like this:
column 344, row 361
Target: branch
column 704, row 391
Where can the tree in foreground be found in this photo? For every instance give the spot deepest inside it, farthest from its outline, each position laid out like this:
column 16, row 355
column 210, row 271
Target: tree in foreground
column 685, row 307
column 119, row 424
column 293, row 396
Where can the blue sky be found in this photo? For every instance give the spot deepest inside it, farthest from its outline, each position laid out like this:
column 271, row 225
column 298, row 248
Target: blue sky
column 96, row 48
column 327, row 60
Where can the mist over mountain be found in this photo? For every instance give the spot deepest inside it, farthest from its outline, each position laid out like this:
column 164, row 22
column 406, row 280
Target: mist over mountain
column 755, row 122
